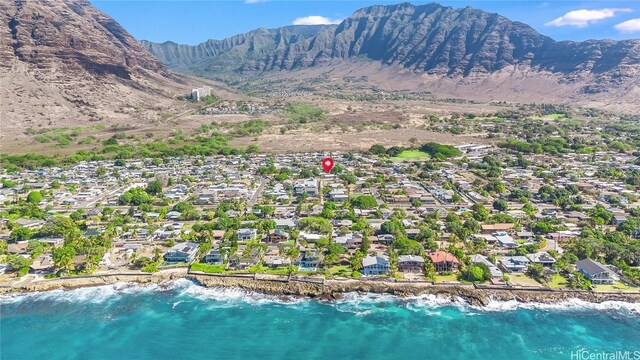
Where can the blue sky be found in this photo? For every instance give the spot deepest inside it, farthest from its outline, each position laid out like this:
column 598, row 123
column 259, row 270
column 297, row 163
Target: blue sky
column 191, row 22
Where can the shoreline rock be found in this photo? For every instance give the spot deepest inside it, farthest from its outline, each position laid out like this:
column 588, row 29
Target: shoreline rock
column 330, row 289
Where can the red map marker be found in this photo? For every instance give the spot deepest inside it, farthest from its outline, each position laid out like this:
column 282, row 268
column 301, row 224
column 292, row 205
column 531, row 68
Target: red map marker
column 327, row 164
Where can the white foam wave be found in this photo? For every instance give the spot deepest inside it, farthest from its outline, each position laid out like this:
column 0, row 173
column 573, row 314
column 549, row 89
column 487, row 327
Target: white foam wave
column 356, row 303
column 96, row 294
column 223, row 296
column 567, row 305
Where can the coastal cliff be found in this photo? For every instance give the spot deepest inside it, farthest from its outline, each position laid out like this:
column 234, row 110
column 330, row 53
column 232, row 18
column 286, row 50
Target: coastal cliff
column 479, row 296
column 329, row 289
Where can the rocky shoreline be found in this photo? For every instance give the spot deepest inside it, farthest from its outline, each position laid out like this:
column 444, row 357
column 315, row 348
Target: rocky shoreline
column 330, row 289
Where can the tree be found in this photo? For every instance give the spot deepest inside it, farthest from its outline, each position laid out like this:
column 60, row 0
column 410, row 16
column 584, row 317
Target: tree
column 392, row 227
column 578, row 281
column 364, row 202
column 63, row 258
column 36, row 248
column 135, row 196
column 157, row 253
column 55, row 184
column 21, row 233
column 61, row 226
column 475, row 273
column 356, row 260
column 4, row 248
column 377, row 149
column 535, row 271
column 480, row 213
column 20, row 263
column 101, row 171
column 154, row 188
column 34, row 197
column 500, row 205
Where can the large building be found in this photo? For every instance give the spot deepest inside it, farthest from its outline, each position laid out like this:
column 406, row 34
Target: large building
column 196, row 94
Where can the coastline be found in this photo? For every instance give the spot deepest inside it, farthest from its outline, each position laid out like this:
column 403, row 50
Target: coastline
column 317, row 288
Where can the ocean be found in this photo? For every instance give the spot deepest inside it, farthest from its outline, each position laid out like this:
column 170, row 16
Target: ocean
column 181, row 320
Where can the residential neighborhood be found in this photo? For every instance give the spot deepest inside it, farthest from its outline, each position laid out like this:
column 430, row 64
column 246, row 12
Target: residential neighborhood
column 535, row 222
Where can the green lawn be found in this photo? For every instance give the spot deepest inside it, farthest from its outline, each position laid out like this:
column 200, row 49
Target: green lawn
column 207, row 268
column 557, row 281
column 617, row 286
column 489, row 118
column 446, row 278
column 522, row 280
column 411, row 155
column 342, row 271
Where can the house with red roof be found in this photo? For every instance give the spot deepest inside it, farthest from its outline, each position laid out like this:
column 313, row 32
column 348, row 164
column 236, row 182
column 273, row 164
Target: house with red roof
column 444, row 261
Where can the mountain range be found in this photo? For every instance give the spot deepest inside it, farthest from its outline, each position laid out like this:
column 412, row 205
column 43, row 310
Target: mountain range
column 446, row 50
column 65, row 64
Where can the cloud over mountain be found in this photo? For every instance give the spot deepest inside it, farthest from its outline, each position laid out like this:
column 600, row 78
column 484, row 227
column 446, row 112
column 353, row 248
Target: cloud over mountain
column 315, row 20
column 584, row 17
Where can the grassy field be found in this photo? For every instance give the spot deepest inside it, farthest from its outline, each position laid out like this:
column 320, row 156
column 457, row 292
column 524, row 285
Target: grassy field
column 446, row 278
column 557, row 281
column 522, row 280
column 340, row 270
column 207, row 268
column 411, row 155
column 617, row 286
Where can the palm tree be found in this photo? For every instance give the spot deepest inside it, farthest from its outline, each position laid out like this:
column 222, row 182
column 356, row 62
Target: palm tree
column 156, row 254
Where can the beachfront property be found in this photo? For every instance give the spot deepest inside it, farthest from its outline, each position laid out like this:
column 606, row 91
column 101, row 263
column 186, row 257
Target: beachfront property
column 514, row 264
column 375, row 265
column 411, row 263
column 444, row 261
column 596, row 272
column 182, row 252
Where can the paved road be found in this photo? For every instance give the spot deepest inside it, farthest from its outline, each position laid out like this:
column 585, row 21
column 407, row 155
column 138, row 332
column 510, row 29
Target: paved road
column 257, row 194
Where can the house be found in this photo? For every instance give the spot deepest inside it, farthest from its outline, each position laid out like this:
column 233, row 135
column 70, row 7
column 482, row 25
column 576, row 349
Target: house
column 412, row 233
column 481, row 259
column 276, row 261
column 246, row 234
column 444, row 261
column 43, row 264
column 491, row 228
column 542, row 258
column 182, row 252
column 504, row 239
column 375, row 265
column 276, row 236
column 596, row 272
column 410, row 263
column 311, row 259
column 385, row 238
column 285, row 224
column 309, row 186
column 512, row 264
column 53, row 242
column 215, row 256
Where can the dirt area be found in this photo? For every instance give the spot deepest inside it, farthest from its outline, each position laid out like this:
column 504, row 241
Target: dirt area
column 295, row 141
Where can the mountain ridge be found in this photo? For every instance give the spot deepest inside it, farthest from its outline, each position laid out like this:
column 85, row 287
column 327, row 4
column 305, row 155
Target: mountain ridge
column 428, row 39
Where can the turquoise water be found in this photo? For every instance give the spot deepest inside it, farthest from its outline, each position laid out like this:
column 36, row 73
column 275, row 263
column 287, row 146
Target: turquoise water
column 185, row 321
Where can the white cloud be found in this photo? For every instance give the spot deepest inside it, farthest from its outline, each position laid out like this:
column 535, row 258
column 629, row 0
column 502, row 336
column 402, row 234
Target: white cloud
column 583, row 17
column 629, row 26
column 315, row 20
column 254, row 1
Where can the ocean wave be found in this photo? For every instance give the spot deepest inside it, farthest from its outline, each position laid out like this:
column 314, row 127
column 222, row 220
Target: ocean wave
column 95, row 294
column 356, row 303
column 567, row 305
column 232, row 296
